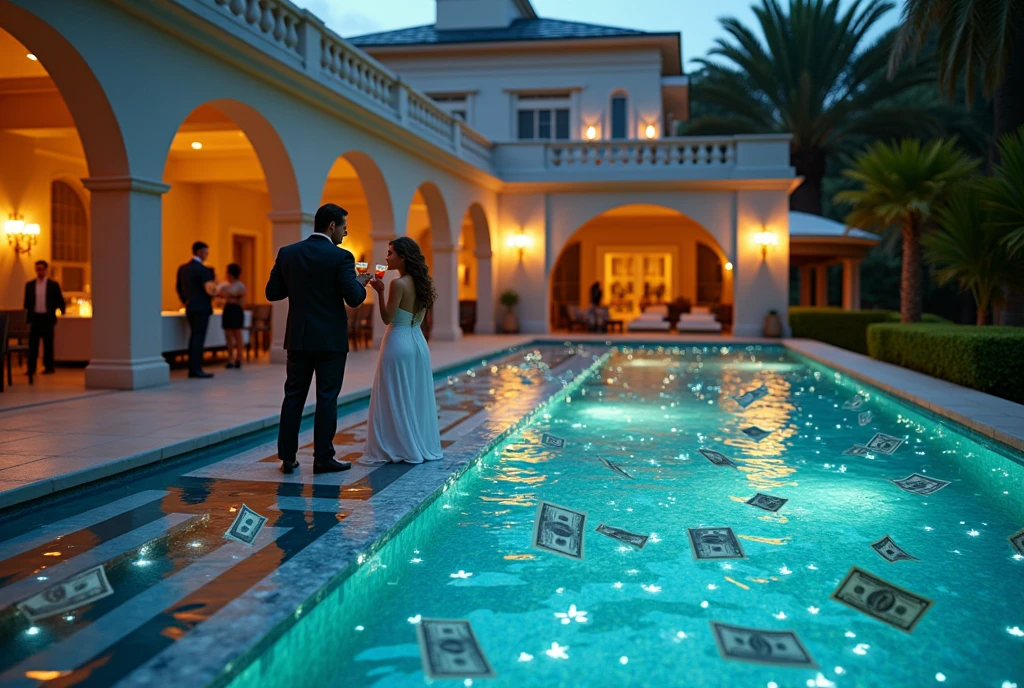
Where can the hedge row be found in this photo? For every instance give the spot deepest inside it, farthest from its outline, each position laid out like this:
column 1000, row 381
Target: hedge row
column 846, row 329
column 989, row 359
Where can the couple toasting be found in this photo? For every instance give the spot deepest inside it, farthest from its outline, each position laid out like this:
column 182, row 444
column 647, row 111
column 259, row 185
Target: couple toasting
column 318, row 280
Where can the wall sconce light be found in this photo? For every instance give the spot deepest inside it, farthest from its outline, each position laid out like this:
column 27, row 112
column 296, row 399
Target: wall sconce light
column 520, row 241
column 650, row 131
column 765, row 239
column 728, row 266
column 591, row 132
column 21, row 236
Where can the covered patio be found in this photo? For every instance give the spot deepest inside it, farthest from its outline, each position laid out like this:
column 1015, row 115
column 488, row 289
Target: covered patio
column 817, row 243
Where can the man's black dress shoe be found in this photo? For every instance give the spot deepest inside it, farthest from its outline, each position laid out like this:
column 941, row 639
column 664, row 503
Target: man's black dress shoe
column 201, row 374
column 330, row 466
column 289, row 467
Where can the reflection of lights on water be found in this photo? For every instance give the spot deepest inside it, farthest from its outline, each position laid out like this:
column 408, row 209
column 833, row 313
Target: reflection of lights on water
column 681, row 635
column 415, row 619
column 415, row 560
column 32, row 630
column 928, row 528
column 780, row 616
column 623, row 660
column 773, row 684
column 525, row 657
column 142, row 562
column 617, row 585
column 839, row 670
column 820, row 681
column 468, row 682
column 861, row 649
column 851, row 634
column 813, row 610
column 559, row 590
column 812, row 567
column 360, row 628
column 712, row 586
column 785, row 570
column 704, row 604
column 973, row 533
column 461, row 574
column 1015, row 631
column 651, row 588
column 557, row 651
column 940, row 677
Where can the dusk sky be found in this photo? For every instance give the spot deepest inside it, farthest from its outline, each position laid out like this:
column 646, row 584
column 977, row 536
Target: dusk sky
column 696, row 19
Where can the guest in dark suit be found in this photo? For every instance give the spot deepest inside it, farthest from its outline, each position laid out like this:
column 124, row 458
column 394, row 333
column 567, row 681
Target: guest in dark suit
column 195, row 286
column 318, row 279
column 43, row 298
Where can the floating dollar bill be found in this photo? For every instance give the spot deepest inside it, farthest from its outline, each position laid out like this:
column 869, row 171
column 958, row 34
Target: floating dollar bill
column 748, row 398
column 890, row 551
column 886, row 444
column 629, row 538
column 552, row 441
column 715, row 543
column 920, row 484
column 766, row 502
column 856, row 450
column 77, row 591
column 246, row 526
column 864, row 418
column 1017, row 540
column 559, row 530
column 778, row 648
column 449, row 649
column 884, row 601
column 717, row 458
column 755, row 433
column 617, row 468
column 854, row 403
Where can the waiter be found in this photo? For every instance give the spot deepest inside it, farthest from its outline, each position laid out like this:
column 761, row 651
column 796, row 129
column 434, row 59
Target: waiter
column 43, row 298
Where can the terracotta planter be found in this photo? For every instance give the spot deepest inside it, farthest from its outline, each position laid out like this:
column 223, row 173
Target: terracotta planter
column 509, row 323
column 772, row 325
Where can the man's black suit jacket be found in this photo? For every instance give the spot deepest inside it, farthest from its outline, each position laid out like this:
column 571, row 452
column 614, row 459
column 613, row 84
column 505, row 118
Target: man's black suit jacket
column 54, row 299
column 191, row 287
column 318, row 279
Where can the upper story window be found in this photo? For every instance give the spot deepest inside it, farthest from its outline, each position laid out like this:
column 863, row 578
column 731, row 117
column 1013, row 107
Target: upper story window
column 543, row 117
column 620, row 116
column 456, row 105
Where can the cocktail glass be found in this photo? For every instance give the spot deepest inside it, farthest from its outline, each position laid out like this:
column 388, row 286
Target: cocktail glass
column 362, row 268
column 379, row 273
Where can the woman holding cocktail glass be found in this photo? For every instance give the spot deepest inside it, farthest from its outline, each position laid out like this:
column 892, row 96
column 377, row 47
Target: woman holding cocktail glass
column 402, row 424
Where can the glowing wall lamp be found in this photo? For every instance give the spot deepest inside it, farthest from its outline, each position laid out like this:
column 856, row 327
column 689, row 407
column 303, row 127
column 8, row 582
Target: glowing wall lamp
column 591, row 132
column 765, row 239
column 21, row 236
column 650, row 131
column 728, row 265
column 521, row 241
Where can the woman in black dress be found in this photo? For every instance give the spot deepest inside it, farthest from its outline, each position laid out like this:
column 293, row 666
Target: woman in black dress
column 233, row 319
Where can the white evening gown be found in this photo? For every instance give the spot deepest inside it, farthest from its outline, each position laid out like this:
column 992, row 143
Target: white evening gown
column 402, row 425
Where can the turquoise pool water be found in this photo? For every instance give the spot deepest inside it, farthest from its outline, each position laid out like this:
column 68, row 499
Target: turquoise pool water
column 624, row 616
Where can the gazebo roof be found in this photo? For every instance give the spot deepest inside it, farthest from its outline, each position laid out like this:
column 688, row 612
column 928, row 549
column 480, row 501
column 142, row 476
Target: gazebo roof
column 808, row 227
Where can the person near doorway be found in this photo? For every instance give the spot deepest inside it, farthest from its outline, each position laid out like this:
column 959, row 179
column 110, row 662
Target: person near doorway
column 596, row 295
column 195, row 286
column 233, row 320
column 43, row 298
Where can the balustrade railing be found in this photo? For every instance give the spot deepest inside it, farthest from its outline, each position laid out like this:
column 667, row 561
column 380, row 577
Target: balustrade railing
column 692, row 152
column 274, row 20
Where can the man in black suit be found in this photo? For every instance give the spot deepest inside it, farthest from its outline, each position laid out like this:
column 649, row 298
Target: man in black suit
column 43, row 298
column 194, row 292
column 318, row 278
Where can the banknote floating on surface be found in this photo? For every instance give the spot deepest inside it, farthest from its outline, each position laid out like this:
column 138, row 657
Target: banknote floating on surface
column 559, row 530
column 717, row 458
column 777, row 648
column 920, row 484
column 71, row 593
column 715, row 543
column 890, row 551
column 246, row 526
column 621, row 535
column 552, row 441
column 450, row 649
column 881, row 600
column 766, row 502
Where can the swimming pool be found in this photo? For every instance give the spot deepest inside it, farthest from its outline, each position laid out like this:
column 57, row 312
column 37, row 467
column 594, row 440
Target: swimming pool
column 630, row 615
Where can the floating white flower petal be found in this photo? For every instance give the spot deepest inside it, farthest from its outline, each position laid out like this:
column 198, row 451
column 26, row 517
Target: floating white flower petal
column 525, row 657
column 861, row 649
column 415, row 619
column 1015, row 631
column 780, row 616
column 577, row 615
column 651, row 588
column 461, row 574
column 813, row 610
column 557, row 651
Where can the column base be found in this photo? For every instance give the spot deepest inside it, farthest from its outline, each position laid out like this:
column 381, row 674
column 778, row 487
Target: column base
column 132, row 374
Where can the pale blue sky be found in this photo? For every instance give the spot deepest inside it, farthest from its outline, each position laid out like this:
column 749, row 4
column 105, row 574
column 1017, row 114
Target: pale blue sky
column 696, row 19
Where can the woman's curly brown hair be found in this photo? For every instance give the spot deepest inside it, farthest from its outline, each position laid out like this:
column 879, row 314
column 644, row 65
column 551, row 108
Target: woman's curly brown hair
column 416, row 267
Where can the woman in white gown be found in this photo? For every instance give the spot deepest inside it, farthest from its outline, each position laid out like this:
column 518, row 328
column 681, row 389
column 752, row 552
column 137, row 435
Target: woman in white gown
column 402, row 425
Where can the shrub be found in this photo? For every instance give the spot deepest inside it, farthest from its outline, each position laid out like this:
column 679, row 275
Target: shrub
column 845, row 329
column 989, row 359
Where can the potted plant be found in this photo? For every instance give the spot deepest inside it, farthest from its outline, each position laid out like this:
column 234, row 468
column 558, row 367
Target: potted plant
column 509, row 323
column 772, row 324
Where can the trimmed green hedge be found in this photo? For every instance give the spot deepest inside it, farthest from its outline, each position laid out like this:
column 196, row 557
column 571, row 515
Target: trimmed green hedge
column 989, row 358
column 846, row 329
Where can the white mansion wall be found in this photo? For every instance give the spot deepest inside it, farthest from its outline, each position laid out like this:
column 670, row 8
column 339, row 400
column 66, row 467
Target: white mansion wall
column 493, row 79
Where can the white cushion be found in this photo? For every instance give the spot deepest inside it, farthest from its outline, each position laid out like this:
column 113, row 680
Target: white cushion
column 661, row 309
column 700, row 310
column 696, row 317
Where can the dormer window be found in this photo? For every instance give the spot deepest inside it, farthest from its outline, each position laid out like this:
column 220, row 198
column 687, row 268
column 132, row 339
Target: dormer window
column 543, row 117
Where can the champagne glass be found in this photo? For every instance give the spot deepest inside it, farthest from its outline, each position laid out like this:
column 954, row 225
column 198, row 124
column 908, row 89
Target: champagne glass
column 362, row 268
column 379, row 273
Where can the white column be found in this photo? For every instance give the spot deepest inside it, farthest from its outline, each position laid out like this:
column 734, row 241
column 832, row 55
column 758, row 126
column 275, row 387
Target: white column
column 290, row 226
column 485, row 323
column 127, row 341
column 380, row 250
column 851, row 284
column 446, row 282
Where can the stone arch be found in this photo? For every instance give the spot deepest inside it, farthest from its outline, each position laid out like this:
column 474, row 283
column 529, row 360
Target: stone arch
column 98, row 129
column 657, row 227
column 375, row 188
column 476, row 255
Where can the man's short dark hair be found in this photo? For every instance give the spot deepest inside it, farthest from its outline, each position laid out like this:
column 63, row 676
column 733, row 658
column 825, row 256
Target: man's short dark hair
column 327, row 214
column 43, row 263
column 198, row 246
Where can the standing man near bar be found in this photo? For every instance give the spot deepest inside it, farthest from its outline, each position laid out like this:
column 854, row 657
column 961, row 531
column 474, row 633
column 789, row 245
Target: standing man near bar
column 43, row 298
column 194, row 286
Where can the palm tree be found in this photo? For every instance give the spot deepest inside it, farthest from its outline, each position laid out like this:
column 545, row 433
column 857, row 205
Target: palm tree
column 1004, row 192
column 903, row 185
column 965, row 248
column 814, row 76
column 979, row 40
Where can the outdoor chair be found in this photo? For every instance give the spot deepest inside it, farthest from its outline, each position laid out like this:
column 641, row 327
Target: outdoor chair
column 16, row 328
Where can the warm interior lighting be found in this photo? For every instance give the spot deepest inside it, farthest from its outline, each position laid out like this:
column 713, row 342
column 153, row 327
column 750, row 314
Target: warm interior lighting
column 650, row 131
column 32, row 57
column 21, row 236
column 765, row 239
column 591, row 132
column 519, row 241
column 196, row 145
column 728, row 265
